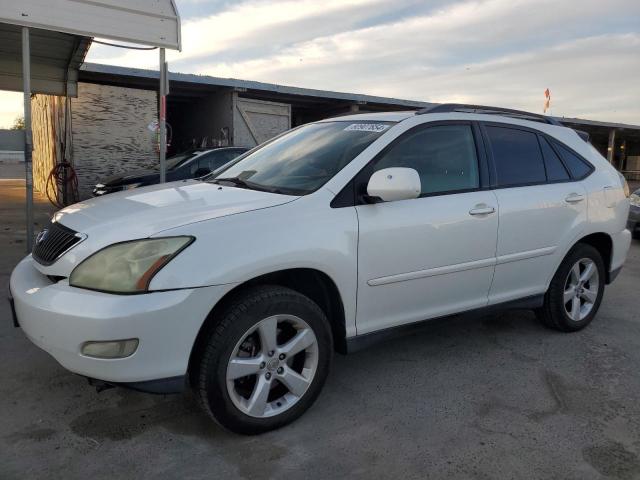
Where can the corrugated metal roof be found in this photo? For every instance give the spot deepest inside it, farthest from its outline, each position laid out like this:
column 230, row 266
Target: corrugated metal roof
column 147, row 22
column 55, row 59
column 596, row 123
column 60, row 34
column 250, row 85
column 116, row 71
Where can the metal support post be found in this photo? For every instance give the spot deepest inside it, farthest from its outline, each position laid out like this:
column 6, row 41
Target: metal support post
column 28, row 136
column 162, row 124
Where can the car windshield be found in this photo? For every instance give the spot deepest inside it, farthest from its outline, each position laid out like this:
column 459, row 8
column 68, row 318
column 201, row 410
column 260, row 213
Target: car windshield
column 304, row 159
column 180, row 159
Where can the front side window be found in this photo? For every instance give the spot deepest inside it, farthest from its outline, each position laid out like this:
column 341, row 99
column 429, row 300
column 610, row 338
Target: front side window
column 304, row 159
column 444, row 156
column 516, row 155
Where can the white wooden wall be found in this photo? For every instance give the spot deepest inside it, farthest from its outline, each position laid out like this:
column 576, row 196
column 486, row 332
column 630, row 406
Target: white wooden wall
column 110, row 134
column 256, row 121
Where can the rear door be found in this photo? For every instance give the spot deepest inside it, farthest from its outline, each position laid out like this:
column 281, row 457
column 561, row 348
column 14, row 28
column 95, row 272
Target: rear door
column 542, row 210
column 432, row 255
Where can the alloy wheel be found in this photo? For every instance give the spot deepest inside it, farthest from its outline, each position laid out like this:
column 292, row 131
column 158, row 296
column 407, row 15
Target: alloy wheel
column 272, row 366
column 581, row 289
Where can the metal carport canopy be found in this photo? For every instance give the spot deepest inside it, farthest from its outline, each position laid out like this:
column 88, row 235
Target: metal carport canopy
column 61, row 32
column 44, row 42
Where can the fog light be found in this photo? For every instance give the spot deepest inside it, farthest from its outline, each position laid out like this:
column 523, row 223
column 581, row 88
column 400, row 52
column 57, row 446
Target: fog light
column 110, row 349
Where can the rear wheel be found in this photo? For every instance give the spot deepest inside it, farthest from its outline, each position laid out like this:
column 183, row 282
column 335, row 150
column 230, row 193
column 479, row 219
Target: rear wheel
column 265, row 360
column 575, row 292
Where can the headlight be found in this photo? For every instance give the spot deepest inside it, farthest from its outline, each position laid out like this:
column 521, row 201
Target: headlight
column 127, row 267
column 634, row 199
column 131, row 186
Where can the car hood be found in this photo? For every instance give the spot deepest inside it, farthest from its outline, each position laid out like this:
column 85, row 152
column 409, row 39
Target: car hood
column 149, row 210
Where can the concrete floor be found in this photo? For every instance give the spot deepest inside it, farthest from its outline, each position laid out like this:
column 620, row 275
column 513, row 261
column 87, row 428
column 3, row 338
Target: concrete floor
column 497, row 397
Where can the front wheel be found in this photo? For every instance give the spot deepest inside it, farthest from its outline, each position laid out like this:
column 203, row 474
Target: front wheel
column 575, row 292
column 265, row 361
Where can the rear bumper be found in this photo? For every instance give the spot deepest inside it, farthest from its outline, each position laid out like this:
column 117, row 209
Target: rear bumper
column 633, row 223
column 59, row 319
column 613, row 274
column 621, row 243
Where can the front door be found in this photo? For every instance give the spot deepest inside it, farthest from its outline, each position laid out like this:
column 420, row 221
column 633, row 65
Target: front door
column 433, row 255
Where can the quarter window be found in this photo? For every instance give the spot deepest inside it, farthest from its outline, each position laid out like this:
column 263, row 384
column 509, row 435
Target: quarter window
column 578, row 167
column 517, row 156
column 555, row 170
column 444, row 156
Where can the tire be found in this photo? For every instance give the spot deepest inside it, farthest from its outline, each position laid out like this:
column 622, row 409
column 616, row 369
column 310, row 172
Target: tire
column 272, row 396
column 571, row 317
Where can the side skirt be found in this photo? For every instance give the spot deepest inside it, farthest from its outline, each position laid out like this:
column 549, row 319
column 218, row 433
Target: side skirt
column 360, row 342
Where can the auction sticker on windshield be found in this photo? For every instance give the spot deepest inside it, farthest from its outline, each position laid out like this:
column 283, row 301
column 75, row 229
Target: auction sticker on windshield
column 367, row 127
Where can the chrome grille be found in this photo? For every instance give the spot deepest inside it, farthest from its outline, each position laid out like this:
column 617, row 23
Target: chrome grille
column 52, row 242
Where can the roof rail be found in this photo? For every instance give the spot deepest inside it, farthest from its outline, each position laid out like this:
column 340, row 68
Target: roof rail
column 507, row 112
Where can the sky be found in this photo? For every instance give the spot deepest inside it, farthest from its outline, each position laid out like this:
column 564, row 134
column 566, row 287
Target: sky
column 489, row 52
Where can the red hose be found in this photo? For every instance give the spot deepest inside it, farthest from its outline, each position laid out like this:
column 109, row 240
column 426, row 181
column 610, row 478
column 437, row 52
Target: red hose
column 56, row 184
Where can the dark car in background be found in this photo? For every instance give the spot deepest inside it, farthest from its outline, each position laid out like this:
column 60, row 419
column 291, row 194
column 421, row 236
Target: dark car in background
column 191, row 164
column 633, row 224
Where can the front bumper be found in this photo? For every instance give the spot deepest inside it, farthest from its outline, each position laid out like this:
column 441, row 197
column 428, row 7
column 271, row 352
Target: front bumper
column 59, row 318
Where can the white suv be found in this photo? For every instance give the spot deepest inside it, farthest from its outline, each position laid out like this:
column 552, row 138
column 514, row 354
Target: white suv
column 325, row 238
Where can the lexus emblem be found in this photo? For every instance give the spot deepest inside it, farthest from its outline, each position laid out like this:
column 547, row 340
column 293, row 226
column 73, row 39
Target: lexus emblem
column 41, row 236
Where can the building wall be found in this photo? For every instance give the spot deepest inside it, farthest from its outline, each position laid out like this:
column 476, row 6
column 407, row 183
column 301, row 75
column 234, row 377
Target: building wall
column 11, row 140
column 11, row 146
column 47, row 123
column 256, row 121
column 110, row 134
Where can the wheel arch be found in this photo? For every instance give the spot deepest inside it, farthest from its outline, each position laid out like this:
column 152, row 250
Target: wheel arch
column 315, row 284
column 604, row 244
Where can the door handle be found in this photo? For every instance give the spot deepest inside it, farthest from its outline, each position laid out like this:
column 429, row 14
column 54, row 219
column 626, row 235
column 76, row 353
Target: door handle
column 574, row 198
column 481, row 210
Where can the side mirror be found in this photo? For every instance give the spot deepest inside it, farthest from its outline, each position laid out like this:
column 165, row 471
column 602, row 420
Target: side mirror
column 201, row 172
column 391, row 184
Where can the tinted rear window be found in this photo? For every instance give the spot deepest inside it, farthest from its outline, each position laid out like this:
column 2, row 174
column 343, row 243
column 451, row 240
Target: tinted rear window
column 555, row 170
column 517, row 156
column 578, row 167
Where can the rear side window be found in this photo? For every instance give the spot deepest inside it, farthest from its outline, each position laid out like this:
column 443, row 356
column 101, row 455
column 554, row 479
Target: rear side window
column 517, row 156
column 578, row 167
column 555, row 170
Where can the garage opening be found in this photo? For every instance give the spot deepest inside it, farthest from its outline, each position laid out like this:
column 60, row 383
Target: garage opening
column 199, row 118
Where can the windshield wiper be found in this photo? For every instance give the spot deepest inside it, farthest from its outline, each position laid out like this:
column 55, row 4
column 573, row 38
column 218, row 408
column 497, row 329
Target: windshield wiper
column 235, row 181
column 239, row 182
